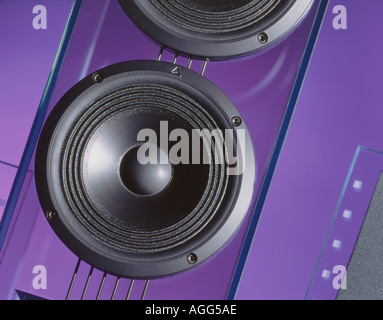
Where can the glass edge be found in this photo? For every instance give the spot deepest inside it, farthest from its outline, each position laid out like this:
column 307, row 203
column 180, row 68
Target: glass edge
column 302, row 71
column 335, row 215
column 38, row 122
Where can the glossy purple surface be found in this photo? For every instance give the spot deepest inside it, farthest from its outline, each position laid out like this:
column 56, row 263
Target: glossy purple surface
column 26, row 57
column 7, row 174
column 340, row 108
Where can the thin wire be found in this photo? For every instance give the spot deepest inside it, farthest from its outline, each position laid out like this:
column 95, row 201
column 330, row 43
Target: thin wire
column 101, row 286
column 175, row 58
column 190, row 63
column 204, row 67
column 73, row 280
column 87, row 283
column 145, row 289
column 130, row 289
column 115, row 288
column 160, row 54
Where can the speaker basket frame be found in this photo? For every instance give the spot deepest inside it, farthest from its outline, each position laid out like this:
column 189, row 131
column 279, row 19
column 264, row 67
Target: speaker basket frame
column 92, row 250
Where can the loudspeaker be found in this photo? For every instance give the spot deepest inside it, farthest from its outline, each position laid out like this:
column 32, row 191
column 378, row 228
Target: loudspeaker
column 156, row 145
column 143, row 220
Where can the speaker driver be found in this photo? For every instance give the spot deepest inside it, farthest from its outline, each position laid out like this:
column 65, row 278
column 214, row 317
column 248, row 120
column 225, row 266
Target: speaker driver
column 140, row 219
column 216, row 29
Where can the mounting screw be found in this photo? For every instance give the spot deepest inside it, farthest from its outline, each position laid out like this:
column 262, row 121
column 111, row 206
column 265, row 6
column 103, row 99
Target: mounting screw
column 97, row 78
column 236, row 121
column 192, row 258
column 262, row 38
column 51, row 215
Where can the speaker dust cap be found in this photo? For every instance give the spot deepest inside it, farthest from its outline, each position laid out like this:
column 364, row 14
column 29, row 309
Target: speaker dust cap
column 121, row 182
column 216, row 29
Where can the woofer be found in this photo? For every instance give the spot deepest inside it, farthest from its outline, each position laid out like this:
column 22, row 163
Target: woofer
column 216, row 29
column 130, row 219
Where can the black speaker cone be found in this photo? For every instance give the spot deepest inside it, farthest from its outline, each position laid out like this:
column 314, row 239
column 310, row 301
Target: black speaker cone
column 148, row 179
column 128, row 218
column 216, row 29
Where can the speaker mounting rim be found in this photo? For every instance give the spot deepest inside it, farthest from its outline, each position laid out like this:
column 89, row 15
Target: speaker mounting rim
column 165, row 34
column 88, row 247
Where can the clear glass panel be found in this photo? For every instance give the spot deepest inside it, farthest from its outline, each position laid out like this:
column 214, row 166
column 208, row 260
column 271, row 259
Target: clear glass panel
column 26, row 57
column 259, row 85
column 343, row 233
column 7, row 174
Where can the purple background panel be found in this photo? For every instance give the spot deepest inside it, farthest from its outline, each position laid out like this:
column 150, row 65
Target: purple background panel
column 7, row 174
column 340, row 108
column 26, row 57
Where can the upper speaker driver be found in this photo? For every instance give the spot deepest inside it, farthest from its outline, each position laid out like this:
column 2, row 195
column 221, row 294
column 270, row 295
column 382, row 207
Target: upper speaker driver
column 216, row 29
